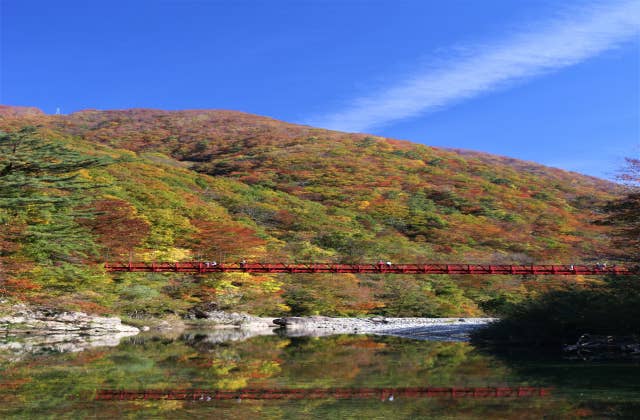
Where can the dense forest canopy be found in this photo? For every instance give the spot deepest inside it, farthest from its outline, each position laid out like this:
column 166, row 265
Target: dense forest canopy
column 564, row 314
column 623, row 215
column 223, row 185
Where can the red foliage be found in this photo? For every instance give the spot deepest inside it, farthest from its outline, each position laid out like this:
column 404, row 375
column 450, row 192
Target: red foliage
column 19, row 288
column 118, row 227
column 90, row 307
column 223, row 240
column 10, row 236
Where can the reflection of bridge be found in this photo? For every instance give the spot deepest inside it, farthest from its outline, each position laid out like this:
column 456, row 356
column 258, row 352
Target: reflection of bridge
column 383, row 268
column 319, row 393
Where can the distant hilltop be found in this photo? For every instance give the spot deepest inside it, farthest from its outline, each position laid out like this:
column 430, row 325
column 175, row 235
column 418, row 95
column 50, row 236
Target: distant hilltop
column 19, row 111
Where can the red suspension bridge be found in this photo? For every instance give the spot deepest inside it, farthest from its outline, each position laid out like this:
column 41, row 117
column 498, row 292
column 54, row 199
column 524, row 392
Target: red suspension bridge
column 204, row 267
column 319, row 393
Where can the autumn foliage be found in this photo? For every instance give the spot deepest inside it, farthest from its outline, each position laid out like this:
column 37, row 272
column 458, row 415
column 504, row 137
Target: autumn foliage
column 226, row 186
column 116, row 225
column 623, row 215
column 224, row 241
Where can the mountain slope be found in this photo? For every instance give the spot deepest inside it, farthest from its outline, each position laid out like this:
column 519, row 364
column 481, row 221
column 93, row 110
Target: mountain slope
column 289, row 192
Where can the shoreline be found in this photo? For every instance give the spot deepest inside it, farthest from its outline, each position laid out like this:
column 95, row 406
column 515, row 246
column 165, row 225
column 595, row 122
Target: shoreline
column 439, row 329
column 35, row 330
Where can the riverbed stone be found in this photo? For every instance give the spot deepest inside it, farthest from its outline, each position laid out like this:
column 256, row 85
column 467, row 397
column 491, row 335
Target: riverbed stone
column 46, row 321
column 450, row 329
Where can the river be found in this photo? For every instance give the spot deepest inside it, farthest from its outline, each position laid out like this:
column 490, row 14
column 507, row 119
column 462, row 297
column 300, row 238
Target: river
column 204, row 374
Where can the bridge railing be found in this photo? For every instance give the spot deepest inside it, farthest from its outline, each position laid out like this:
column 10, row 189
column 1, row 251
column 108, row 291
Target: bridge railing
column 380, row 268
column 319, row 393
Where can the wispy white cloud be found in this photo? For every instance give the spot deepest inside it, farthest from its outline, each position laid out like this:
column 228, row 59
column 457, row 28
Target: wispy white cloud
column 569, row 39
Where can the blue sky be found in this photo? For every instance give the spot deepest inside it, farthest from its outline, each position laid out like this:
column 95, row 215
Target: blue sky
column 556, row 82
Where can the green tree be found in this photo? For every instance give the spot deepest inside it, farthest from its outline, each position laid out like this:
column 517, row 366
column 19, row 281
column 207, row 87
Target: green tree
column 35, row 172
column 612, row 307
column 40, row 190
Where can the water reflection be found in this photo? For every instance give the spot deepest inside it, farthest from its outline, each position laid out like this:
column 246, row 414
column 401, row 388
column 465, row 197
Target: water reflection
column 389, row 394
column 284, row 377
column 18, row 346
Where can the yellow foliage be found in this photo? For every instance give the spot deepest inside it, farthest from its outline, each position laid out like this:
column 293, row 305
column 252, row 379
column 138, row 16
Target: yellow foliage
column 269, row 367
column 84, row 173
column 342, row 219
column 256, row 253
column 169, row 254
column 283, row 307
column 283, row 344
column 232, row 384
column 166, row 405
column 237, row 278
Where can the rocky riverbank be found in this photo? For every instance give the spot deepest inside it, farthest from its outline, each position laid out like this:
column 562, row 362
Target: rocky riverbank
column 441, row 329
column 22, row 319
column 604, row 347
column 222, row 319
column 25, row 330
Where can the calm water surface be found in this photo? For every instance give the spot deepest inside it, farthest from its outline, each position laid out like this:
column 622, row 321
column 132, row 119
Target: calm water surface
column 343, row 377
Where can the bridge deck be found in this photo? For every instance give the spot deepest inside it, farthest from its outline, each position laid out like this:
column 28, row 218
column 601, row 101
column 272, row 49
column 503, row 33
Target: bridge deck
column 474, row 269
column 318, row 393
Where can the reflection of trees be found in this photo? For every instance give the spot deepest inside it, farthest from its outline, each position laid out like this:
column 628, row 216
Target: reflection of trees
column 607, row 388
column 388, row 361
column 268, row 362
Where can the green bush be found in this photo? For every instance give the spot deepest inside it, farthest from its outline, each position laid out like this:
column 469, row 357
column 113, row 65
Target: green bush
column 562, row 316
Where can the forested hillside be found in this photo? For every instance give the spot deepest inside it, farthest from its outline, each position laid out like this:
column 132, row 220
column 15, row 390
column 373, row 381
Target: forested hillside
column 221, row 185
